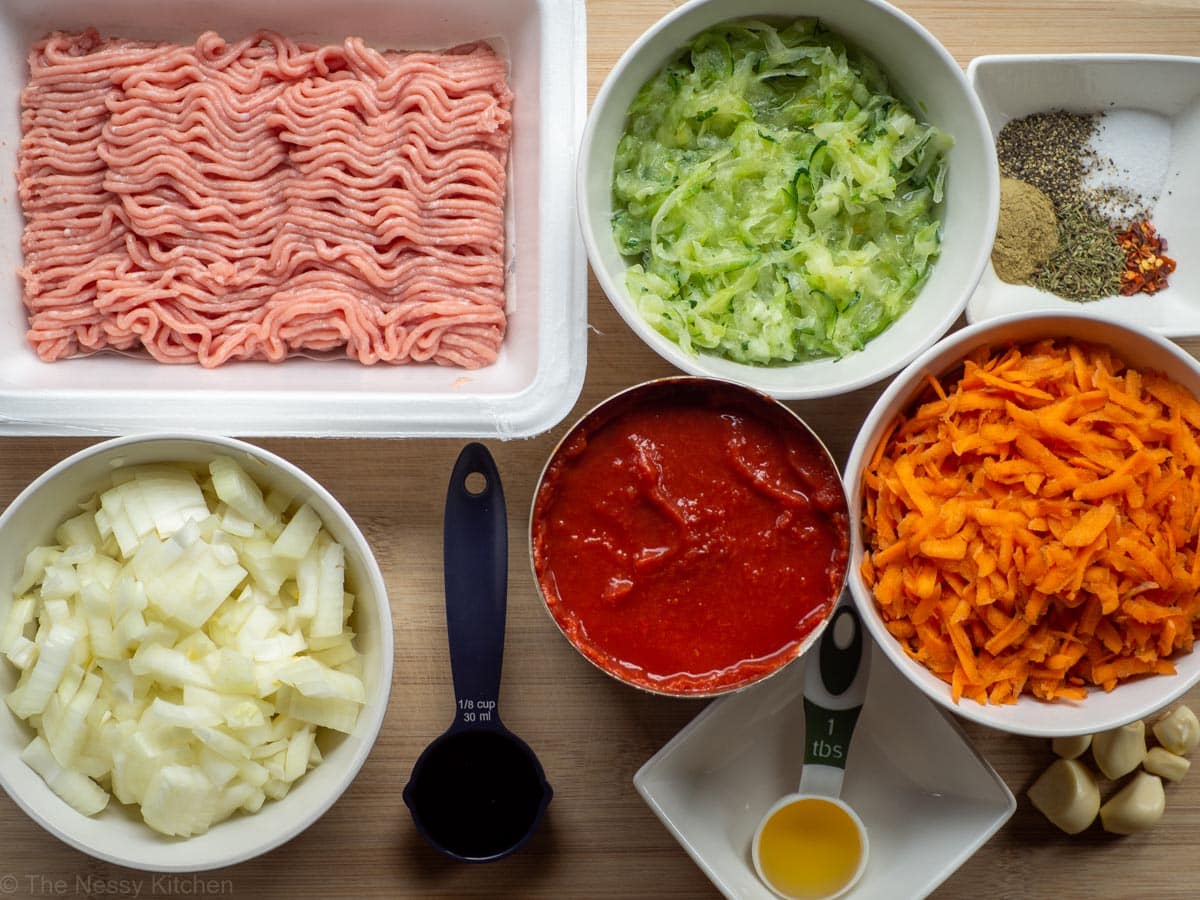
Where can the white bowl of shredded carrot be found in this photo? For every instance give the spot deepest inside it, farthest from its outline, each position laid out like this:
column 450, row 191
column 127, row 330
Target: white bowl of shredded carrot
column 1025, row 502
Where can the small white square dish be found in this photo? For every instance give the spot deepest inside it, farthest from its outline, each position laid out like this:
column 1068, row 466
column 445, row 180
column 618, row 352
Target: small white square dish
column 541, row 366
column 927, row 798
column 1163, row 92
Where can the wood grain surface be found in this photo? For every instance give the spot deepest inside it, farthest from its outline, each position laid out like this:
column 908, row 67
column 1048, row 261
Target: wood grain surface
column 599, row 839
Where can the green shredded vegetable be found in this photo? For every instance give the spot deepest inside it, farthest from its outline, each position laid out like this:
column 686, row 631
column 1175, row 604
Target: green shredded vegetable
column 779, row 200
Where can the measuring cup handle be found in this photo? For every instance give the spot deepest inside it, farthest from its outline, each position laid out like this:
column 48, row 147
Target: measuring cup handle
column 835, row 685
column 475, row 561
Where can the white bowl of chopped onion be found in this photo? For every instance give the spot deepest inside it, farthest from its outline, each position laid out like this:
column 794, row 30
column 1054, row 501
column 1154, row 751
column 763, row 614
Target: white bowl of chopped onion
column 198, row 651
column 772, row 249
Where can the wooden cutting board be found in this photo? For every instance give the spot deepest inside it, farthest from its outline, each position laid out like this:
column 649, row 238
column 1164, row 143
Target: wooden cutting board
column 592, row 734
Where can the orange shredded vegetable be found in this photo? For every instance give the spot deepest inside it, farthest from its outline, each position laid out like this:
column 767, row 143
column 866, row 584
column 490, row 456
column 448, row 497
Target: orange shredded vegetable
column 1032, row 525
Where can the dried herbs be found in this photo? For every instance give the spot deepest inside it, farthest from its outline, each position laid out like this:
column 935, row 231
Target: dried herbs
column 1088, row 262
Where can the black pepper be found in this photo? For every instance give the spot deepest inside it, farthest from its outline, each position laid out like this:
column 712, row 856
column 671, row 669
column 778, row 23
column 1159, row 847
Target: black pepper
column 1049, row 151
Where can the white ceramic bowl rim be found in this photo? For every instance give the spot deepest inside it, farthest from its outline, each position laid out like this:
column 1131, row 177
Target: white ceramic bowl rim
column 988, row 58
column 371, row 717
column 1007, row 717
column 692, row 364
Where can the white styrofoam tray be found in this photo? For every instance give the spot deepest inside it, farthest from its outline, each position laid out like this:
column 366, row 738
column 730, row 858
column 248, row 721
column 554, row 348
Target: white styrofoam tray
column 1011, row 86
column 541, row 367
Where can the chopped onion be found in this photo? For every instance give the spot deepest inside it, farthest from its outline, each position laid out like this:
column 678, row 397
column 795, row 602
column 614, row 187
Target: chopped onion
column 77, row 789
column 39, row 682
column 181, row 646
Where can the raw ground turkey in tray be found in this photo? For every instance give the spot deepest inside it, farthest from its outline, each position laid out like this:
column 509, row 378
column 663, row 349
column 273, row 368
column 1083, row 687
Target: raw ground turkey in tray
column 258, row 199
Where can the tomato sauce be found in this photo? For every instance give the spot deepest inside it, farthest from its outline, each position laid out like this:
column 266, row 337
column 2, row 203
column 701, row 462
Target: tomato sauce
column 688, row 541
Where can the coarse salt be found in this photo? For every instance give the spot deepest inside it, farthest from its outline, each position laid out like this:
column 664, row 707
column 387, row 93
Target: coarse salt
column 1133, row 151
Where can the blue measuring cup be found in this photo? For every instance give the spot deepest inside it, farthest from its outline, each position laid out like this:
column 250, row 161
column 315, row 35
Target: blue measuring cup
column 478, row 792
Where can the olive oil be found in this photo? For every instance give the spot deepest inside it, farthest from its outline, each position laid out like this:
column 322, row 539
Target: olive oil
column 809, row 848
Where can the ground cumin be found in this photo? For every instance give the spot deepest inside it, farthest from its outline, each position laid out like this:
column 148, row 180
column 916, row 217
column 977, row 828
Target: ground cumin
column 1027, row 233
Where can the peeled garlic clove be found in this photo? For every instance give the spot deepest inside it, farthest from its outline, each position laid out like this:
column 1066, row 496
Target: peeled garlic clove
column 1162, row 762
column 1178, row 730
column 1067, row 795
column 1071, row 747
column 1120, row 751
column 1136, row 806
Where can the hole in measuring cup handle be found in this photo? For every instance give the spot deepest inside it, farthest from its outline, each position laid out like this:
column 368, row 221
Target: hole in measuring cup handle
column 476, row 484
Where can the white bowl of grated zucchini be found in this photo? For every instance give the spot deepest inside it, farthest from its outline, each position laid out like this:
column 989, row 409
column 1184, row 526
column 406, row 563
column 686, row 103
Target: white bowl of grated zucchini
column 198, row 651
column 802, row 210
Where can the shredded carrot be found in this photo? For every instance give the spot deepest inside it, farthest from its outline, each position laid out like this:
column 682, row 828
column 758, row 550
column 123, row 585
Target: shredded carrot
column 1033, row 524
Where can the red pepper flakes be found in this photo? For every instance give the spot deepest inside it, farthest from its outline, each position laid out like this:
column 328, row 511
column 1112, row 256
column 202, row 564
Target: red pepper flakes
column 1146, row 263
